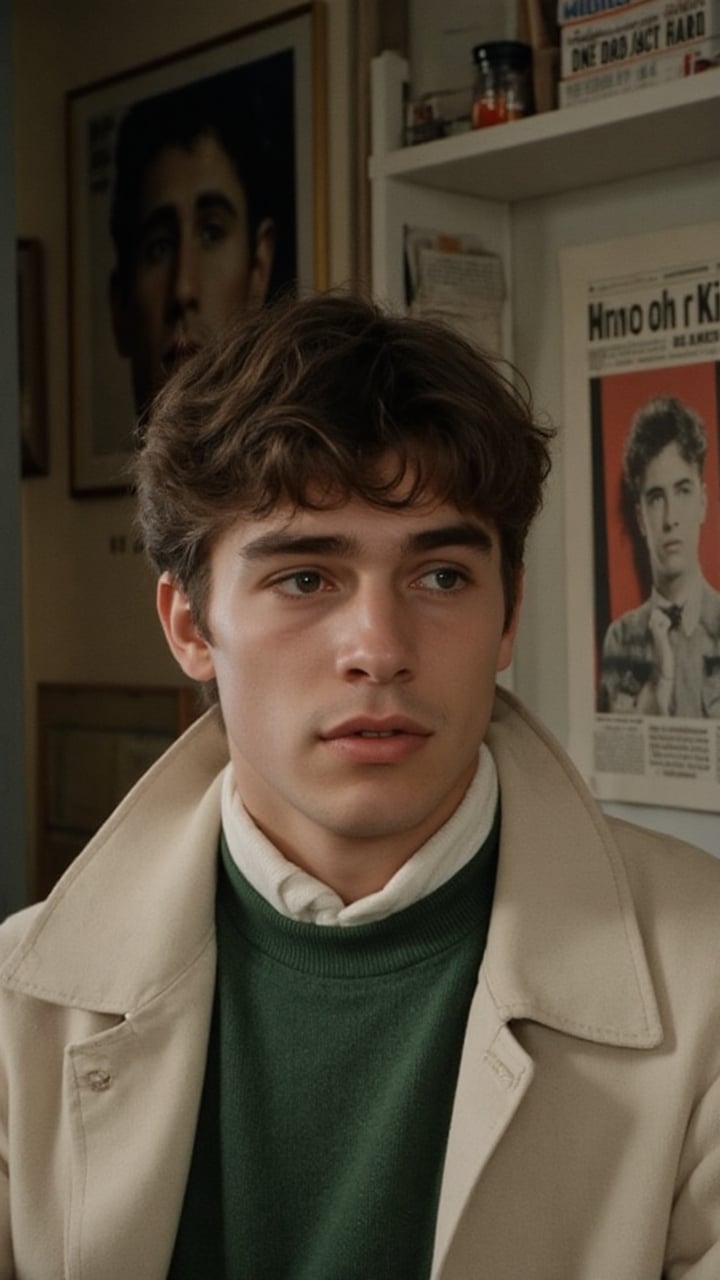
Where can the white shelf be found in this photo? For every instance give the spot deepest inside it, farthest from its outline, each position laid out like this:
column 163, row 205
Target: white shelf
column 625, row 136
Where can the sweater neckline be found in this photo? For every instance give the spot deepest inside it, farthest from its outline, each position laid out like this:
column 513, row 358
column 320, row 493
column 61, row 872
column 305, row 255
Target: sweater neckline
column 414, row 935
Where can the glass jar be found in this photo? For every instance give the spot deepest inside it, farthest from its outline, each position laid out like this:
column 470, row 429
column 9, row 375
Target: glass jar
column 503, row 82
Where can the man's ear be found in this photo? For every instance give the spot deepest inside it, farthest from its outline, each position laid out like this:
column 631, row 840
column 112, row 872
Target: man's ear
column 120, row 314
column 191, row 650
column 262, row 261
column 507, row 641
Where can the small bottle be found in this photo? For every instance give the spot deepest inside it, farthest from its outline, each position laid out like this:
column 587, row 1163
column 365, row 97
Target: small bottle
column 503, row 82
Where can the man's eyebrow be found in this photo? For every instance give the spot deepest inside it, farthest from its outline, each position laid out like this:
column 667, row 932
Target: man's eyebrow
column 278, row 543
column 465, row 534
column 268, row 545
column 208, row 200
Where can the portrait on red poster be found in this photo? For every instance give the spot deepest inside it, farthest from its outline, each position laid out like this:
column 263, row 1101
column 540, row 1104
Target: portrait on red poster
column 656, row 502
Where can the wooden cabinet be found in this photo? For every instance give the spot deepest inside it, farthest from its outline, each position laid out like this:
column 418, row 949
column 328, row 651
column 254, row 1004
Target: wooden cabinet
column 94, row 743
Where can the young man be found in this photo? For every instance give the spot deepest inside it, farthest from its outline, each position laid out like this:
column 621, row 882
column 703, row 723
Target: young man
column 663, row 658
column 358, row 982
column 194, row 218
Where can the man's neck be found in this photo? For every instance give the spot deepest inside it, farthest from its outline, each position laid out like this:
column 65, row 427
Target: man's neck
column 677, row 588
column 353, row 849
column 322, row 890
column 353, row 868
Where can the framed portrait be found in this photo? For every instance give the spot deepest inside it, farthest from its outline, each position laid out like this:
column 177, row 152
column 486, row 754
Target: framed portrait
column 197, row 188
column 31, row 358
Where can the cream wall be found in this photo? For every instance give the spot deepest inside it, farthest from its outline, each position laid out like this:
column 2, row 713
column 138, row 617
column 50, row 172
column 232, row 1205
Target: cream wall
column 89, row 612
column 12, row 869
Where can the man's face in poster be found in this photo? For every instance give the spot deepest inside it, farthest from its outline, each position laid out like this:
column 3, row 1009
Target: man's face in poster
column 195, row 261
column 671, row 511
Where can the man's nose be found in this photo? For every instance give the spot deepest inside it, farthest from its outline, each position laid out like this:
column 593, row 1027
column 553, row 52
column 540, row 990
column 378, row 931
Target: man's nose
column 375, row 640
column 670, row 512
column 185, row 289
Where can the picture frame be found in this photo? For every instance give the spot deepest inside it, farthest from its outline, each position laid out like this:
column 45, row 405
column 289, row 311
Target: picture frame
column 32, row 388
column 244, row 117
column 377, row 26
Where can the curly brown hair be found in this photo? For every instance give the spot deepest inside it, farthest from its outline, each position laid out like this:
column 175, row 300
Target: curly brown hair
column 298, row 401
column 662, row 421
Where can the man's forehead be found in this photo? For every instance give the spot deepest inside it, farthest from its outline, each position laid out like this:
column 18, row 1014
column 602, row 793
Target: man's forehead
column 189, row 168
column 670, row 461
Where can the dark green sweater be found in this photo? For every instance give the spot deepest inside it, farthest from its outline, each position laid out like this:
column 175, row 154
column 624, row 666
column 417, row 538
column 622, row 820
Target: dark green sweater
column 330, row 1078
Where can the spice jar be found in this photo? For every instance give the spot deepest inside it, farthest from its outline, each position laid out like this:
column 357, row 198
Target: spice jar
column 503, row 82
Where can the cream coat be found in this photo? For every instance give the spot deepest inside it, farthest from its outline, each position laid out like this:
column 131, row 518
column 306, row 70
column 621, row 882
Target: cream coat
column 585, row 1138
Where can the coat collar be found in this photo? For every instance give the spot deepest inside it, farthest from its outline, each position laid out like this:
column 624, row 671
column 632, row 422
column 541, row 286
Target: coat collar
column 564, row 946
column 156, row 858
column 563, row 949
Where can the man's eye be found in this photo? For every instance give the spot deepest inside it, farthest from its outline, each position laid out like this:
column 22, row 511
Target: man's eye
column 212, row 233
column 443, row 580
column 156, row 248
column 304, row 583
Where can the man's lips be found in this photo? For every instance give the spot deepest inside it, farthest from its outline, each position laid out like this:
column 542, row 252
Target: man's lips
column 368, row 740
column 371, row 726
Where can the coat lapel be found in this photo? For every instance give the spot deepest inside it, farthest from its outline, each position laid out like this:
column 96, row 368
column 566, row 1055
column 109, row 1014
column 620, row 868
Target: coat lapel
column 564, row 946
column 132, row 1095
column 138, row 983
column 495, row 1073
column 564, row 949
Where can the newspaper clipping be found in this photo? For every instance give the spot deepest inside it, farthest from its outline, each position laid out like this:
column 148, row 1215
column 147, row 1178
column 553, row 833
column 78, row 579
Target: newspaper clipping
column 454, row 278
column 641, row 325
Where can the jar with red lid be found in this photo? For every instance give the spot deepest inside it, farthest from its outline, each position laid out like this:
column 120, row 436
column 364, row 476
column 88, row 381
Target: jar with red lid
column 503, row 82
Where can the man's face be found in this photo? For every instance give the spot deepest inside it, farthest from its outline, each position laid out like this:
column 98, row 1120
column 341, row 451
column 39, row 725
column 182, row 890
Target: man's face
column 193, row 266
column 671, row 511
column 355, row 652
